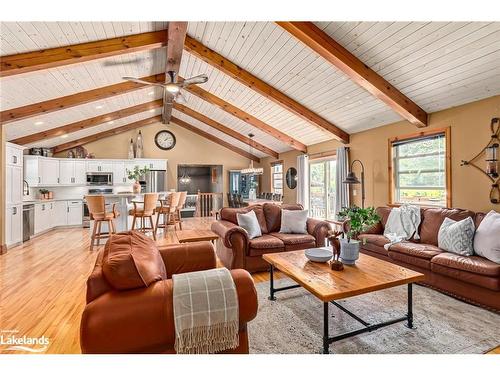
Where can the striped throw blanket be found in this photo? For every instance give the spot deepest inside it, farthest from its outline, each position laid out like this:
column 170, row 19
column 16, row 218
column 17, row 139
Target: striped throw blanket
column 206, row 312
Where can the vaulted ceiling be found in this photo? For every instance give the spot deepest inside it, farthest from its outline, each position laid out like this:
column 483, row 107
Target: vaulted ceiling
column 299, row 94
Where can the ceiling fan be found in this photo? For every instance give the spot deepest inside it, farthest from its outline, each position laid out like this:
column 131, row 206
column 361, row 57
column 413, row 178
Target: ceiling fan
column 172, row 90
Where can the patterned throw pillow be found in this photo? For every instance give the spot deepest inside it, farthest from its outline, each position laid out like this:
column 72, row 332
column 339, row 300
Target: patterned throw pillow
column 457, row 236
column 250, row 223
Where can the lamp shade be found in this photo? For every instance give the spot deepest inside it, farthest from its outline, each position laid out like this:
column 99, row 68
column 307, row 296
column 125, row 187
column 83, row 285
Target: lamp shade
column 351, row 179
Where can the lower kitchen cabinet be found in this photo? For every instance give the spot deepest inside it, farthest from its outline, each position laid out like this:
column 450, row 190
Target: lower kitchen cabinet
column 60, row 213
column 14, row 225
column 75, row 213
column 57, row 214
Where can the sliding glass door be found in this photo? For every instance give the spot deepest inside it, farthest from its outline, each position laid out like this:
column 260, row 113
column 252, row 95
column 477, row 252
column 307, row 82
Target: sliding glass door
column 322, row 188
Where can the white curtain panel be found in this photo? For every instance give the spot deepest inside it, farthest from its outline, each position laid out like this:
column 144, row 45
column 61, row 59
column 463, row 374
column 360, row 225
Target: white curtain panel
column 303, row 180
column 342, row 191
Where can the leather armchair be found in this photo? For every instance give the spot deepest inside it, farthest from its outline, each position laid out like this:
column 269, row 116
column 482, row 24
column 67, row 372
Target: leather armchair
column 141, row 320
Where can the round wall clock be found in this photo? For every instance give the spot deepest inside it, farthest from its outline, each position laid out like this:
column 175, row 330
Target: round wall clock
column 165, row 140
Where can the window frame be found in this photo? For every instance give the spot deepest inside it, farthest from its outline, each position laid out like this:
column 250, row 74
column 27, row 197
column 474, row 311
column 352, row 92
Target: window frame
column 415, row 136
column 273, row 164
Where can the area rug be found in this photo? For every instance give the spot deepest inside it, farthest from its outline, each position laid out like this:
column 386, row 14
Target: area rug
column 293, row 324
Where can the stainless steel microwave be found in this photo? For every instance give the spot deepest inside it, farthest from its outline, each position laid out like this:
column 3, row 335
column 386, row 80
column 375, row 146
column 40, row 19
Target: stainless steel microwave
column 99, row 178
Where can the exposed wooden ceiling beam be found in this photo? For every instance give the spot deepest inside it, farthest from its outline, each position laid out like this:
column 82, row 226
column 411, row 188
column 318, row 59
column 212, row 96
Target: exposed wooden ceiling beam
column 60, row 56
column 87, row 123
column 248, row 118
column 241, row 75
column 321, row 43
column 31, row 110
column 218, row 126
column 213, row 138
column 175, row 46
column 107, row 133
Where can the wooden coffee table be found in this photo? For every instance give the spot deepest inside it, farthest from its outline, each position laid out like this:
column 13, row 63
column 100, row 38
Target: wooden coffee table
column 369, row 274
column 195, row 235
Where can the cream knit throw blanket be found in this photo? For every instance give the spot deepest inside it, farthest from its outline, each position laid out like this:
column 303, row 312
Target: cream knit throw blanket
column 206, row 312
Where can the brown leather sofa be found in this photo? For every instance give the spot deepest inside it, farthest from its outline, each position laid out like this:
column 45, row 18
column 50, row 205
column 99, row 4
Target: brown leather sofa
column 236, row 250
column 474, row 279
column 140, row 319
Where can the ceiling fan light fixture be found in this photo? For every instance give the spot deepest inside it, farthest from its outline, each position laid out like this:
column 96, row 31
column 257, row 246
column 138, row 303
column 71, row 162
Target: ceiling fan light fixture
column 172, row 88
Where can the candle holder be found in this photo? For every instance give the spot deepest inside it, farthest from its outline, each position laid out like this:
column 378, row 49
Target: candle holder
column 490, row 152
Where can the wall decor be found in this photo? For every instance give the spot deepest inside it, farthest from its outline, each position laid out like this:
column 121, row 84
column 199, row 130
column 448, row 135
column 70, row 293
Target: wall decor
column 491, row 168
column 139, row 146
column 291, row 178
column 165, row 140
column 131, row 149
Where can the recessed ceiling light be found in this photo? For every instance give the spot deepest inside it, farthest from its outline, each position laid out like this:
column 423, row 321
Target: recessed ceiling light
column 111, row 122
column 64, row 136
column 39, row 123
column 98, row 106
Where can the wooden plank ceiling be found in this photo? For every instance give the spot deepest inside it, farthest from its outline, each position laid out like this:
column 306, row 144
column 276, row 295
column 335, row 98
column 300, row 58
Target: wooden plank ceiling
column 302, row 98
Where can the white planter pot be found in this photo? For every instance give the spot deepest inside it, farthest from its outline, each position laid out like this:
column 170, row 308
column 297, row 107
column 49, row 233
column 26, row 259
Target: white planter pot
column 349, row 251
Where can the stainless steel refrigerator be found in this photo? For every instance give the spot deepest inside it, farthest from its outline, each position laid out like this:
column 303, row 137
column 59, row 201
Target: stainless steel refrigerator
column 154, row 181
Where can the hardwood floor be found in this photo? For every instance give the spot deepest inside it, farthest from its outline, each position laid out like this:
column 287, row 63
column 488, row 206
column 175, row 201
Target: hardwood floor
column 42, row 285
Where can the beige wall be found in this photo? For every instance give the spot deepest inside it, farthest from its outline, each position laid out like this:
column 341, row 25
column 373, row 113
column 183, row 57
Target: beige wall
column 2, row 188
column 469, row 134
column 289, row 160
column 189, row 149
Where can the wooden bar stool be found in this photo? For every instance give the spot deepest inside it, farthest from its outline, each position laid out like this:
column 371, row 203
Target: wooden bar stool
column 97, row 211
column 147, row 211
column 180, row 206
column 167, row 209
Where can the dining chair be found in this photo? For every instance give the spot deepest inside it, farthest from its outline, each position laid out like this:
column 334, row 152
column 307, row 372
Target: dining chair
column 180, row 206
column 147, row 211
column 167, row 210
column 97, row 211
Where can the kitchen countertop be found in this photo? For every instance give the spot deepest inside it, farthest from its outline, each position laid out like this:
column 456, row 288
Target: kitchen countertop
column 34, row 201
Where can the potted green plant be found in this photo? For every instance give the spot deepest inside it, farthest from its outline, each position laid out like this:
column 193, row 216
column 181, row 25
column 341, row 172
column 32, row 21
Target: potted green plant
column 356, row 220
column 44, row 193
column 135, row 174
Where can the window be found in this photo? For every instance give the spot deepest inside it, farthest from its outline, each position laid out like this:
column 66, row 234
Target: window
column 322, row 177
column 420, row 169
column 277, row 177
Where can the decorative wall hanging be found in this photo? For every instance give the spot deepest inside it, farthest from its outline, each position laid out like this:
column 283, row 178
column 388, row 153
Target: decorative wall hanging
column 491, row 168
column 131, row 149
column 139, row 147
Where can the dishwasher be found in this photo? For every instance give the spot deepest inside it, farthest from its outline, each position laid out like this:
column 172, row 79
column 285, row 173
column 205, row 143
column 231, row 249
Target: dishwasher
column 28, row 221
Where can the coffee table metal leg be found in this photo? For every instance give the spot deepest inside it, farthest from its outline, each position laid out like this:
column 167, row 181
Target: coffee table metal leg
column 271, row 283
column 326, row 343
column 410, row 306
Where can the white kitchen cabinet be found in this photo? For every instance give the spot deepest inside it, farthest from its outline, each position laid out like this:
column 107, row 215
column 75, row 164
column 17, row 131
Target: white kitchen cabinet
column 41, row 171
column 72, row 172
column 13, row 224
column 13, row 154
column 75, row 213
column 99, row 166
column 119, row 173
column 156, row 164
column 60, row 214
column 43, row 221
column 13, row 185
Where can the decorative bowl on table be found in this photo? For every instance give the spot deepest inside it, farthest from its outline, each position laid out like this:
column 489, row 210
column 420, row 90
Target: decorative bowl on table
column 319, row 254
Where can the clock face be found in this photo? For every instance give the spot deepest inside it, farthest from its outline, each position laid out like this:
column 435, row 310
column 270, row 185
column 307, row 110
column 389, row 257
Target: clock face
column 165, row 140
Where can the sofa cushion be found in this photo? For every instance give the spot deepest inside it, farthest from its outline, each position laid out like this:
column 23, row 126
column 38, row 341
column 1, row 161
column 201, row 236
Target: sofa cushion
column 272, row 213
column 374, row 239
column 249, row 222
column 131, row 260
column 294, row 239
column 264, row 245
column 418, row 250
column 410, row 261
column 456, row 236
column 487, row 238
column 432, row 219
column 230, row 214
column 293, row 221
column 473, row 264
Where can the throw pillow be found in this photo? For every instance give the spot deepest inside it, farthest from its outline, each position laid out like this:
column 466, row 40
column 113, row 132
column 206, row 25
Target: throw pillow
column 487, row 238
column 457, row 236
column 250, row 223
column 294, row 221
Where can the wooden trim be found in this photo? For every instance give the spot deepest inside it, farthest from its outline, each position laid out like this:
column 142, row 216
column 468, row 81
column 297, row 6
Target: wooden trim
column 321, row 43
column 77, row 53
column 241, row 75
column 425, row 133
column 105, row 134
column 48, row 106
column 321, row 155
column 232, row 133
column 214, row 139
column 3, row 249
column 244, row 116
column 87, row 123
column 276, row 162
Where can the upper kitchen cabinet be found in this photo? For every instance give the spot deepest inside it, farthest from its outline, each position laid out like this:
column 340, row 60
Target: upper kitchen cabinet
column 154, row 164
column 72, row 172
column 99, row 166
column 41, row 171
column 13, row 155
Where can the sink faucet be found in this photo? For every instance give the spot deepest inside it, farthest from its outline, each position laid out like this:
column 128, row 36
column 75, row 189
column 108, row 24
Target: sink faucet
column 26, row 188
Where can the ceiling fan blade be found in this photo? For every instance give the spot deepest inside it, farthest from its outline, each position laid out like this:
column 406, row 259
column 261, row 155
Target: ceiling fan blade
column 137, row 80
column 202, row 78
column 123, row 62
column 180, row 98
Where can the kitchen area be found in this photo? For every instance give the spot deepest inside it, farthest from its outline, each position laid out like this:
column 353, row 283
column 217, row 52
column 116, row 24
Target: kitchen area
column 44, row 193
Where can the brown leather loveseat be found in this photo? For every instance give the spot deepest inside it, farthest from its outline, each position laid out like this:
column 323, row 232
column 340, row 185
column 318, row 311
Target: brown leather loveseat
column 473, row 278
column 236, row 250
column 124, row 315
